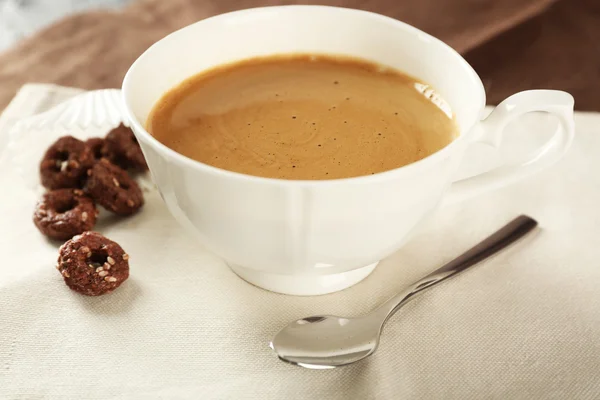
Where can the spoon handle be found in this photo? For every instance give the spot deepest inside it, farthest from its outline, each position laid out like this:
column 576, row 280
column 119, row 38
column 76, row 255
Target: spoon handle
column 499, row 240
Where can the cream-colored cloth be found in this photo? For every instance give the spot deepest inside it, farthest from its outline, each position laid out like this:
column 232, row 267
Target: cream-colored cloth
column 523, row 325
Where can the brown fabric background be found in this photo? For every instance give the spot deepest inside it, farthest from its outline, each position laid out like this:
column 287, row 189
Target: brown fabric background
column 513, row 44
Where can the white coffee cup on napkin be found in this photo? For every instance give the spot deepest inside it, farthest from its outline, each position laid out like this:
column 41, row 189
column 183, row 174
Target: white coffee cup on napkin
column 316, row 237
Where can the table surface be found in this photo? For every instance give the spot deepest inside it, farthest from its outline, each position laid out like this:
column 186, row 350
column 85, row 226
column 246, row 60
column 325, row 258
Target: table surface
column 513, row 45
column 22, row 18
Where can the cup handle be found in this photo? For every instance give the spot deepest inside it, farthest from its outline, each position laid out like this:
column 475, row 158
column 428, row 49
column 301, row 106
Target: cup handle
column 490, row 132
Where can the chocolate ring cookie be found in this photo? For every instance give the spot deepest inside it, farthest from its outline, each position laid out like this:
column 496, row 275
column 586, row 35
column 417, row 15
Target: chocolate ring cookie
column 124, row 149
column 93, row 265
column 64, row 213
column 98, row 147
column 65, row 163
column 112, row 188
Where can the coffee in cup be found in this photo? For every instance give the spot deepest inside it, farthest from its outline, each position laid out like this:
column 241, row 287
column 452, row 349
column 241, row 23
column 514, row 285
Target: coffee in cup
column 303, row 116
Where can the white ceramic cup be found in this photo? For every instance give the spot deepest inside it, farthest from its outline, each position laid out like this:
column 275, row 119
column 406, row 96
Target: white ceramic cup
column 316, row 237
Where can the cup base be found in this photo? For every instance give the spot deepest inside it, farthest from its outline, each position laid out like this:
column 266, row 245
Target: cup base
column 303, row 285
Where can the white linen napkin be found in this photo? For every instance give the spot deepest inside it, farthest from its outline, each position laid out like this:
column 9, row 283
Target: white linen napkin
column 523, row 325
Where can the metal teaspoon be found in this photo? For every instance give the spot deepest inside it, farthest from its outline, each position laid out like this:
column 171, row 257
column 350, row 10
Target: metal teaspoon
column 328, row 341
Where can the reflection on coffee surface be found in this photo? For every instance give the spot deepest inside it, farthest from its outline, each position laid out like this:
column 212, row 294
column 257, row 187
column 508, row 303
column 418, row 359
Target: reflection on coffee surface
column 303, row 117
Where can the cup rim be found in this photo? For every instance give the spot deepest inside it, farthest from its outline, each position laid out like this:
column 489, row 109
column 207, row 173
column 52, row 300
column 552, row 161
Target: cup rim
column 362, row 179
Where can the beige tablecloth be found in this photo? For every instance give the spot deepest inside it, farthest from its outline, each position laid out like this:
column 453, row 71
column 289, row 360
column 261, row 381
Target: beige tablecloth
column 524, row 325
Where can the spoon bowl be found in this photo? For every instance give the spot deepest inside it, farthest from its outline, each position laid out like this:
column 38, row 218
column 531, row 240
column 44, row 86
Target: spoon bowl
column 327, row 341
